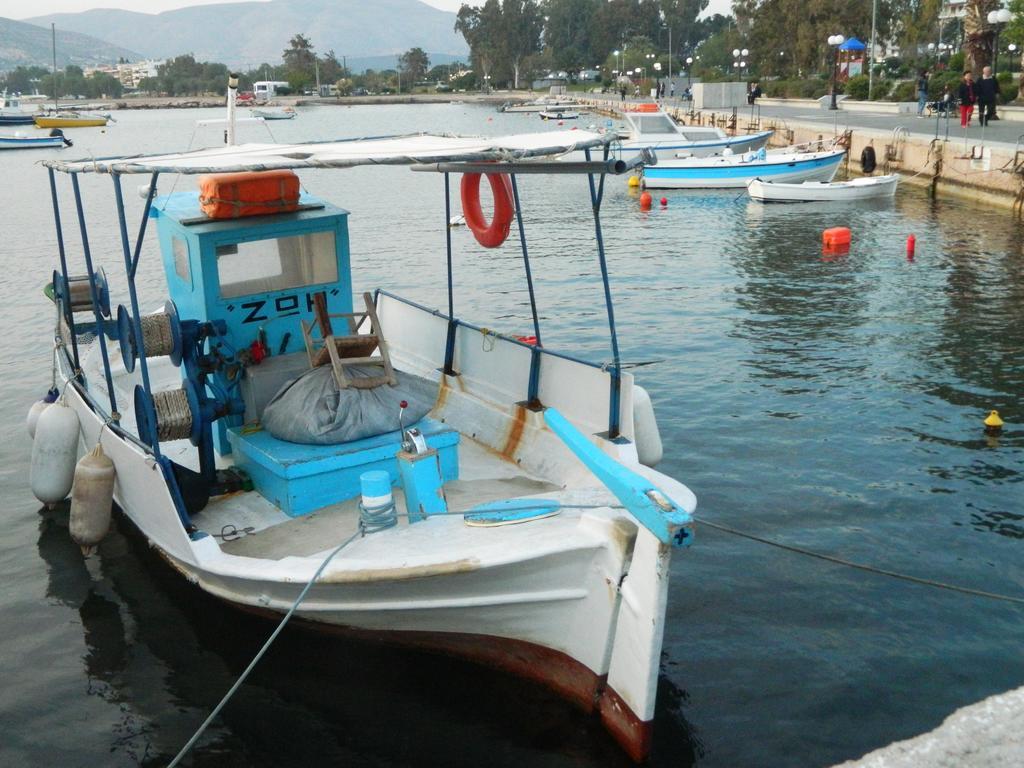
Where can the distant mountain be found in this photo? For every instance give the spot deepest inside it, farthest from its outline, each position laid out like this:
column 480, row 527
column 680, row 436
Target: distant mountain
column 247, row 34
column 26, row 45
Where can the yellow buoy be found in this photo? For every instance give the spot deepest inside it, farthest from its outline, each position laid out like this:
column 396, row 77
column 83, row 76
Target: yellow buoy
column 634, row 181
column 992, row 422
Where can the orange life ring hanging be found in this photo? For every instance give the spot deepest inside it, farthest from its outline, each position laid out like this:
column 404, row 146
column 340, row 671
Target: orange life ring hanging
column 494, row 234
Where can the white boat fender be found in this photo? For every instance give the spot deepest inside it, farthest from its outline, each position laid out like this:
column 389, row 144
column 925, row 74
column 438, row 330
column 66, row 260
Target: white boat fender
column 36, row 411
column 91, row 499
column 53, row 453
column 645, row 428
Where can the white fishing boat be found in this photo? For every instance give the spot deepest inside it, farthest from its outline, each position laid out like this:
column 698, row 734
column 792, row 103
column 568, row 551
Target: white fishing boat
column 472, row 493
column 559, row 114
column 736, row 171
column 651, row 128
column 287, row 113
column 543, row 104
column 11, row 112
column 863, row 188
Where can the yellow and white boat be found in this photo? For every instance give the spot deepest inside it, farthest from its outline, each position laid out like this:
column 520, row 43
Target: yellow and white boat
column 71, row 120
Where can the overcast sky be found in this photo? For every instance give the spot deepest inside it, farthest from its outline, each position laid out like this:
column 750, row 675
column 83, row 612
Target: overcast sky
column 22, row 9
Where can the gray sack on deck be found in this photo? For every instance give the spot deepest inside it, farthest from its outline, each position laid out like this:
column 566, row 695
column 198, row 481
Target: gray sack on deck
column 312, row 410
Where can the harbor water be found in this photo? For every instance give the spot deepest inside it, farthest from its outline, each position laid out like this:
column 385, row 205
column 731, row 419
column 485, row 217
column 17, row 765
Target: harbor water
column 832, row 403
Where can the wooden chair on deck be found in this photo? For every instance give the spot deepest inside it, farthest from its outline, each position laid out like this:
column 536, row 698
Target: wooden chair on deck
column 354, row 349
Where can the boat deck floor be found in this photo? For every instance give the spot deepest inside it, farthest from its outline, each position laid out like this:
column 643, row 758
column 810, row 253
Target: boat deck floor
column 484, row 476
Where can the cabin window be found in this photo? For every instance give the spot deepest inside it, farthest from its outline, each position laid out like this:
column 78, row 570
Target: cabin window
column 263, row 266
column 655, row 124
column 181, row 266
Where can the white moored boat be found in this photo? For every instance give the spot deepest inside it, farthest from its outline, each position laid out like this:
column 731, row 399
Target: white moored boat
column 864, row 188
column 656, row 130
column 401, row 527
column 736, row 171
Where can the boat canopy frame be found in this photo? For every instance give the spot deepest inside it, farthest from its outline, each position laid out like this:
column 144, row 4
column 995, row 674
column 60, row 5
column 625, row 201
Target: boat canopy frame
column 500, row 160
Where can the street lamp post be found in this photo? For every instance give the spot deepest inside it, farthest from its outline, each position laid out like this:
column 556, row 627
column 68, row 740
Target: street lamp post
column 618, row 58
column 743, row 64
column 835, row 41
column 689, row 71
column 999, row 19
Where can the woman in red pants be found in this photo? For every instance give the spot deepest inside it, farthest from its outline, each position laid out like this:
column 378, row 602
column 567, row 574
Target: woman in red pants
column 968, row 97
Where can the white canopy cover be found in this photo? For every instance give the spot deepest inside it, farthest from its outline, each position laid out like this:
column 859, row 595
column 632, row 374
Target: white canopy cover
column 391, row 150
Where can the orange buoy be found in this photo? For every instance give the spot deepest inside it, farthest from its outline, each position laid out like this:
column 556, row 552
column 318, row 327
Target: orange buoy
column 646, row 200
column 835, row 236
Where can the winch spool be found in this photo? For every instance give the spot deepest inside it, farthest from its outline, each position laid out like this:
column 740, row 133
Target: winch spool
column 161, row 335
column 75, row 293
column 177, row 412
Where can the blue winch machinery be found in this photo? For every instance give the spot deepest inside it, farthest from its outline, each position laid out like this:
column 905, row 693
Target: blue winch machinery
column 239, row 289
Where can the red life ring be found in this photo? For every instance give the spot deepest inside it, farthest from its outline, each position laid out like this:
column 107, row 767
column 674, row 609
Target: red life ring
column 494, row 234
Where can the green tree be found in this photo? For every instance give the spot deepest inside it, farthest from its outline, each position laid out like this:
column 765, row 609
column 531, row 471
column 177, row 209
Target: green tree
column 482, row 29
column 299, row 62
column 523, row 26
column 332, row 70
column 413, row 64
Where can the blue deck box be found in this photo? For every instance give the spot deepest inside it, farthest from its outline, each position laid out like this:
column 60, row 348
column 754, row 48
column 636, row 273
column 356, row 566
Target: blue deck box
column 302, row 478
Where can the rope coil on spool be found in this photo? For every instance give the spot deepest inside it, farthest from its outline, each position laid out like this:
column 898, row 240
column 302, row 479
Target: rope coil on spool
column 173, row 414
column 157, row 335
column 161, row 335
column 75, row 293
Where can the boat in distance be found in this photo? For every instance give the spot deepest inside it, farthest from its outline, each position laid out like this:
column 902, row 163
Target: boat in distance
column 56, row 140
column 559, row 114
column 11, row 112
column 288, row 113
column 736, row 171
column 647, row 126
column 863, row 188
column 71, row 120
column 499, row 501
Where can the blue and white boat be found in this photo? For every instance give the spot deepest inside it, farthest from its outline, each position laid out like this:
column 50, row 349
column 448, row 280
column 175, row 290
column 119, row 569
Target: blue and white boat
column 657, row 131
column 11, row 112
column 498, row 502
column 56, row 140
column 736, row 171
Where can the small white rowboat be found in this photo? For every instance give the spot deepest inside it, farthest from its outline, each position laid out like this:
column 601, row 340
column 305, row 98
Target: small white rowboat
column 867, row 187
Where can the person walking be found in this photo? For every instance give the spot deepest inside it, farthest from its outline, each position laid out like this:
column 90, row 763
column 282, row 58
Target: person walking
column 922, row 92
column 987, row 90
column 968, row 98
column 672, row 89
column 622, row 91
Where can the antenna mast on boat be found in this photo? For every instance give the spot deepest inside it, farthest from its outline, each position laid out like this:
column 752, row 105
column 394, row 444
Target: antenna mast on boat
column 53, row 47
column 229, row 134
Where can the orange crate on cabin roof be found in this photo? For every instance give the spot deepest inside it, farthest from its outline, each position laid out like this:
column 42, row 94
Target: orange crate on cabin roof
column 234, row 195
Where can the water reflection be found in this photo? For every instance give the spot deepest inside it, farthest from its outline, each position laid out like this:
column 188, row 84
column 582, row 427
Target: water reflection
column 163, row 653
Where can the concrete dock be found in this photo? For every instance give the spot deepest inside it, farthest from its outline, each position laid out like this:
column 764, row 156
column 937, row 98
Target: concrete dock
column 989, row 734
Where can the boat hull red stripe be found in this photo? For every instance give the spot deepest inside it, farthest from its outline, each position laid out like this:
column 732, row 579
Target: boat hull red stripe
column 557, row 671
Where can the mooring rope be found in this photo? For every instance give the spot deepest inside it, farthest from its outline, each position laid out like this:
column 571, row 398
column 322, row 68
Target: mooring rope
column 266, row 646
column 860, row 566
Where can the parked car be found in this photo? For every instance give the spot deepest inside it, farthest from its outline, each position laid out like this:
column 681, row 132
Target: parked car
column 245, row 97
column 360, row 91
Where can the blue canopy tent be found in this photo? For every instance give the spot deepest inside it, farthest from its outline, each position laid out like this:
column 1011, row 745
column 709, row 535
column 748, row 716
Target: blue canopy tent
column 851, row 58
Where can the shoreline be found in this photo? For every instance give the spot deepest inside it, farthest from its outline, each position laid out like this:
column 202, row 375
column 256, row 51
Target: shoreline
column 214, row 102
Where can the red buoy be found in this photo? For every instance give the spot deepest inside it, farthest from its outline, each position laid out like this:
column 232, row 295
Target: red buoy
column 645, row 200
column 835, row 236
column 664, row 201
column 911, row 245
